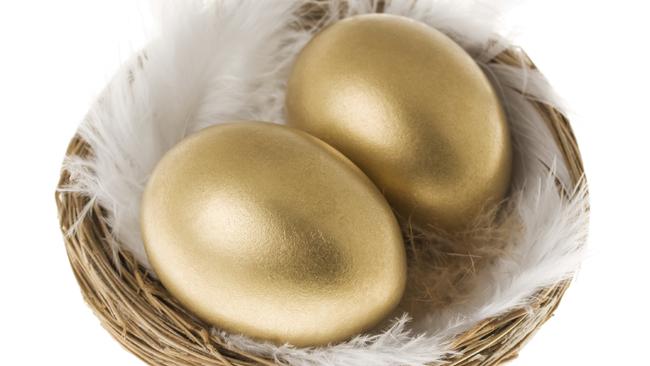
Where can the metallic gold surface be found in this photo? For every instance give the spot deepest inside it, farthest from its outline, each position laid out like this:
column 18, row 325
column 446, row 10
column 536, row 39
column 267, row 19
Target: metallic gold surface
column 412, row 110
column 265, row 230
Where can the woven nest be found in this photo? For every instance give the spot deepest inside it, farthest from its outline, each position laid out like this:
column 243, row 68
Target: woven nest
column 137, row 310
column 140, row 314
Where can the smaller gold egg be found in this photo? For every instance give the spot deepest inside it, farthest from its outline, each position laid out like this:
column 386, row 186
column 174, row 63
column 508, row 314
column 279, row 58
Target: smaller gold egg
column 265, row 230
column 412, row 109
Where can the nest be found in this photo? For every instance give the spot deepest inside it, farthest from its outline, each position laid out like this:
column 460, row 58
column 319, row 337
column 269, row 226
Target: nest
column 140, row 314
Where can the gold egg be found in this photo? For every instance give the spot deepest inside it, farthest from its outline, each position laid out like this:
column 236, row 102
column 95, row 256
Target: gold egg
column 412, row 109
column 264, row 230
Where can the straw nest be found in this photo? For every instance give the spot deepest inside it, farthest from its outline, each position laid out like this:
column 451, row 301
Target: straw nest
column 137, row 310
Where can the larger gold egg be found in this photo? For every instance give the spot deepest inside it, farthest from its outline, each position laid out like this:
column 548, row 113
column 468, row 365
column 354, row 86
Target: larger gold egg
column 412, row 109
column 265, row 230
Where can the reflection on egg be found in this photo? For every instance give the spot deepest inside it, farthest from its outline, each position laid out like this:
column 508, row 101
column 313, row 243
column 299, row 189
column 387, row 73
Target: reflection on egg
column 265, row 230
column 412, row 110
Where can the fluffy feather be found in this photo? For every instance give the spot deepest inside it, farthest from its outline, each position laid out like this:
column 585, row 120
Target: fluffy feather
column 209, row 63
column 215, row 61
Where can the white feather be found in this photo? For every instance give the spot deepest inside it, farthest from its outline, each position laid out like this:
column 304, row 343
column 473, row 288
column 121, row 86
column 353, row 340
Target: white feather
column 215, row 61
column 209, row 63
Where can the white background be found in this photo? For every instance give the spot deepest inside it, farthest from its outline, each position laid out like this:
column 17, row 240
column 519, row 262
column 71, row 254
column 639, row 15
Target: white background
column 55, row 56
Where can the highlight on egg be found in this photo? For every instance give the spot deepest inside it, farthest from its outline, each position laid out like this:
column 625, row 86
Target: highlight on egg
column 413, row 110
column 264, row 230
